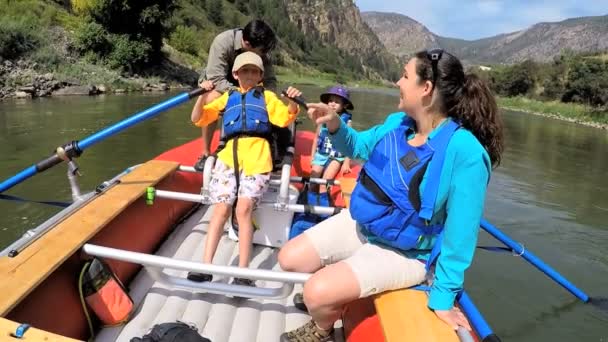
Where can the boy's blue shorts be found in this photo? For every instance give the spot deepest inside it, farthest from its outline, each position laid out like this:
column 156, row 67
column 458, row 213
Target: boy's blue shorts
column 324, row 159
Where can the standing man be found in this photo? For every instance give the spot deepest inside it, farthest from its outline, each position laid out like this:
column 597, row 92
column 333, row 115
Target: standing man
column 256, row 37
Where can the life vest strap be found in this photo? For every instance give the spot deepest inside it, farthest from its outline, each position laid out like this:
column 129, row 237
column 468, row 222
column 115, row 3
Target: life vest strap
column 439, row 143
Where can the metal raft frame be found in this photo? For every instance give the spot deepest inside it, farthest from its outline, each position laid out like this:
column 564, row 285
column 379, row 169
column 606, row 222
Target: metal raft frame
column 155, row 264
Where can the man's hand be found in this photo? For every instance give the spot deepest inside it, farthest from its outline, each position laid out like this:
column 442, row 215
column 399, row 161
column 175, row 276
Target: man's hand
column 207, row 85
column 293, row 92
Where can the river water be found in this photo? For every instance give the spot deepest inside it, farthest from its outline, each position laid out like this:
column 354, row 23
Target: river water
column 550, row 193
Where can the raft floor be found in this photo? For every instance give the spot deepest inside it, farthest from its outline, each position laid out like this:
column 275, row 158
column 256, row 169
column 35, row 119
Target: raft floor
column 217, row 317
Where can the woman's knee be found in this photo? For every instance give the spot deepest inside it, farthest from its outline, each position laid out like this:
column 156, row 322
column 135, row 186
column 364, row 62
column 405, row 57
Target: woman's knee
column 327, row 288
column 299, row 255
column 288, row 258
column 316, row 291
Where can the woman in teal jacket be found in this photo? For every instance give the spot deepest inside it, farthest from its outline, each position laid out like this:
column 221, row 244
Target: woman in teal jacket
column 426, row 175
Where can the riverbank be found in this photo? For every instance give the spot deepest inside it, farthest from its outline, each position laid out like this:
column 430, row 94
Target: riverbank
column 320, row 79
column 578, row 113
column 25, row 78
column 28, row 79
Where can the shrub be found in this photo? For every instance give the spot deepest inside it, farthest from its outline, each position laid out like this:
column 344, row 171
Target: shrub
column 127, row 55
column 16, row 38
column 185, row 39
column 91, row 36
column 48, row 56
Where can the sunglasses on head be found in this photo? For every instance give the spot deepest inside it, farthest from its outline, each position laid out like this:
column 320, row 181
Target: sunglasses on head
column 434, row 56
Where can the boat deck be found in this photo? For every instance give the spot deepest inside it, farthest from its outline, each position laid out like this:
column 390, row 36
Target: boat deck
column 217, row 317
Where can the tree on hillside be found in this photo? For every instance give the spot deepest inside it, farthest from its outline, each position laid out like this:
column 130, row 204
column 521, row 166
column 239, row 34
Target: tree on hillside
column 235, row 20
column 215, row 12
column 132, row 30
column 140, row 20
column 554, row 82
column 241, row 5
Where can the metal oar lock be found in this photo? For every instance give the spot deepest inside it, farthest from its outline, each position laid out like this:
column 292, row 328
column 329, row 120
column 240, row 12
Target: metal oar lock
column 67, row 153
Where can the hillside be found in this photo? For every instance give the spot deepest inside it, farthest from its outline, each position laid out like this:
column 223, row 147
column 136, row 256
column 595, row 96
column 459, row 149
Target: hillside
column 541, row 42
column 339, row 23
column 400, row 34
column 99, row 45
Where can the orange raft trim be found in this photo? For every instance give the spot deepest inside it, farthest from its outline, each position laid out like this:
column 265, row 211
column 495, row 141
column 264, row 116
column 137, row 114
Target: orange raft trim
column 399, row 316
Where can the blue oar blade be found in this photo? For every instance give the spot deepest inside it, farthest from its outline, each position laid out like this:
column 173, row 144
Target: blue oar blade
column 600, row 303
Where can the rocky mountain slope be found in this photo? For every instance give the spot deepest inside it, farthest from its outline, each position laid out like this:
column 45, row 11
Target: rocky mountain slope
column 400, row 34
column 540, row 42
column 339, row 23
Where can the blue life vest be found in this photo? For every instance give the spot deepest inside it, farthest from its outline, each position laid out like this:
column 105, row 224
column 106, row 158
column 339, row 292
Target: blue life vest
column 324, row 145
column 386, row 202
column 246, row 114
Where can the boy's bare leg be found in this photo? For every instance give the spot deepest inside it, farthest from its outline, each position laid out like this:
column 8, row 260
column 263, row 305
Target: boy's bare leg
column 315, row 172
column 221, row 211
column 331, row 171
column 244, row 210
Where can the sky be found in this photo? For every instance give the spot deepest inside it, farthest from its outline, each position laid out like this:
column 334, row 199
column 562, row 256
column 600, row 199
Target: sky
column 474, row 19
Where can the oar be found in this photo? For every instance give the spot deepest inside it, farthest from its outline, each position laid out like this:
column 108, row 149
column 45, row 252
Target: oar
column 600, row 303
column 481, row 327
column 75, row 148
column 534, row 260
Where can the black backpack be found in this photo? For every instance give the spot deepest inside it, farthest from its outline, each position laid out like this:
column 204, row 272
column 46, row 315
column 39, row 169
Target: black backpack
column 172, row 332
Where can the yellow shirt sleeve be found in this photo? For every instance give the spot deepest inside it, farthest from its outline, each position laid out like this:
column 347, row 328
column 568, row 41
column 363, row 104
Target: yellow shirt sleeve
column 278, row 112
column 211, row 111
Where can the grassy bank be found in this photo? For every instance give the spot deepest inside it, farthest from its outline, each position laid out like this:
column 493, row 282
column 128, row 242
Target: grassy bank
column 597, row 117
column 321, row 79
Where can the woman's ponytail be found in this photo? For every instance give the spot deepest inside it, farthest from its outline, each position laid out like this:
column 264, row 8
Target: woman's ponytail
column 477, row 111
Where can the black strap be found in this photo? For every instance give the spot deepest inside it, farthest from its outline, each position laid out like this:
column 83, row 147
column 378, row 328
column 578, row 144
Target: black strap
column 414, row 193
column 237, row 175
column 496, row 249
column 20, row 199
column 374, row 188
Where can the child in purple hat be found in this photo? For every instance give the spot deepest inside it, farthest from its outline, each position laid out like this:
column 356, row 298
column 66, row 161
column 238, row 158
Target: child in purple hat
column 327, row 161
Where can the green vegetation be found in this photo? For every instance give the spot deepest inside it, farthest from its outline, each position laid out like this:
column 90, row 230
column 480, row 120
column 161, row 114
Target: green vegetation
column 321, row 79
column 111, row 41
column 569, row 111
column 124, row 34
column 573, row 86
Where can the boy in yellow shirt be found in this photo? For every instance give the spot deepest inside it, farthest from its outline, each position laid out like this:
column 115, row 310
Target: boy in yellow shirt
column 247, row 115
